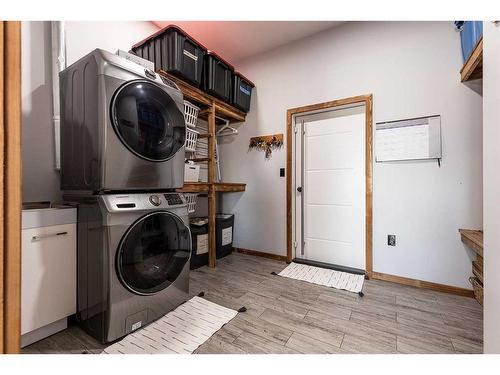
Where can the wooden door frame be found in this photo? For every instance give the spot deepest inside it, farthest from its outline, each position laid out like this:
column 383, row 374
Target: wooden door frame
column 366, row 100
column 10, row 182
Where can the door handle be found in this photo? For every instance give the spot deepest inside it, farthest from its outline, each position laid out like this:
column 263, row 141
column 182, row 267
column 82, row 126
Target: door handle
column 299, row 189
column 42, row 236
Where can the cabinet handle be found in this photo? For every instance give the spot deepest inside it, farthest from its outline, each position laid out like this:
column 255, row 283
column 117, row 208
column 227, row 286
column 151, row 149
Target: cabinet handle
column 42, row 236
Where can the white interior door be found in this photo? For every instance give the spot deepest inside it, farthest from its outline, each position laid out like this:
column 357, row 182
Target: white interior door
column 330, row 187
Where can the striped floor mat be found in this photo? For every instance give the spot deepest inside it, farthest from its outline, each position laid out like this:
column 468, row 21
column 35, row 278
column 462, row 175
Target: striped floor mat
column 322, row 276
column 181, row 331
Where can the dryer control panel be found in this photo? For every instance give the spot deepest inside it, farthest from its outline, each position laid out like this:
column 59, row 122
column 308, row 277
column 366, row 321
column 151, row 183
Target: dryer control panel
column 142, row 201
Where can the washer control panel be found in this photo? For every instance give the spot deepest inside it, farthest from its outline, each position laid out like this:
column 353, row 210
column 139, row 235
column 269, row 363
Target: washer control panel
column 142, row 201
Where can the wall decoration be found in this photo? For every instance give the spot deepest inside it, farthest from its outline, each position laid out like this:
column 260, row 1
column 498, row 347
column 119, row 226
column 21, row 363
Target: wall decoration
column 266, row 143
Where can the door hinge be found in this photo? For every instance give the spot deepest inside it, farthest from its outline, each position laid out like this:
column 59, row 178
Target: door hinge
column 295, row 244
column 295, row 128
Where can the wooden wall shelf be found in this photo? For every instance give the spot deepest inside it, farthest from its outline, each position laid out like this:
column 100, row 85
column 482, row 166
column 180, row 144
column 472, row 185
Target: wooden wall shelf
column 474, row 240
column 194, row 187
column 199, row 160
column 218, row 187
column 210, row 109
column 205, row 101
column 473, row 67
column 229, row 187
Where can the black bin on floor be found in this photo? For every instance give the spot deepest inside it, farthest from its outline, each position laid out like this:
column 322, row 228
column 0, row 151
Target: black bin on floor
column 241, row 92
column 217, row 76
column 224, row 229
column 199, row 240
column 174, row 51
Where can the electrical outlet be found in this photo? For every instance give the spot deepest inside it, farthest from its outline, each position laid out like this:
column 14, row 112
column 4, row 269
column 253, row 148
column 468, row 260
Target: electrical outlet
column 391, row 240
column 282, row 172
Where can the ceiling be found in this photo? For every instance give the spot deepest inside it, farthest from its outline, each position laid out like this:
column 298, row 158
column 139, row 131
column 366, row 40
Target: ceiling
column 235, row 40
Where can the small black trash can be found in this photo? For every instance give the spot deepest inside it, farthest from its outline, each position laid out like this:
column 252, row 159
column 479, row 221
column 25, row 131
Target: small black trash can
column 242, row 92
column 224, row 225
column 199, row 238
column 174, row 51
column 217, row 76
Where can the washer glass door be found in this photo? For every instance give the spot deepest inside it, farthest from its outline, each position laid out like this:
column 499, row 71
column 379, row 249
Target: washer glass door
column 153, row 252
column 148, row 121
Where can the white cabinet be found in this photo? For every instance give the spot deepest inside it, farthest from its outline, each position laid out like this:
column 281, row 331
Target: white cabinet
column 48, row 277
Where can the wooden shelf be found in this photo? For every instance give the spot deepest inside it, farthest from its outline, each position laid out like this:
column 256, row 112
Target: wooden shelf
column 194, row 187
column 473, row 239
column 199, row 160
column 203, row 99
column 229, row 187
column 473, row 67
column 212, row 110
column 219, row 187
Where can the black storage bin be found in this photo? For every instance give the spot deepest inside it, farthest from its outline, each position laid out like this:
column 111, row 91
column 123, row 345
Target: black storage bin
column 199, row 240
column 217, row 76
column 242, row 92
column 174, row 51
column 224, row 228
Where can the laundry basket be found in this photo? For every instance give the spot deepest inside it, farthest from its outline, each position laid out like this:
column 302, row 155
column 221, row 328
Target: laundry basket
column 191, row 199
column 190, row 114
column 191, row 139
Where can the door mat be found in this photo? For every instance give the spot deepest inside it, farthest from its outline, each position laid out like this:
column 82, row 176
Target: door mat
column 322, row 276
column 181, row 331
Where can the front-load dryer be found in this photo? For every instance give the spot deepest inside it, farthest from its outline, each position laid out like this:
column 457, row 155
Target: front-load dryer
column 122, row 127
column 133, row 260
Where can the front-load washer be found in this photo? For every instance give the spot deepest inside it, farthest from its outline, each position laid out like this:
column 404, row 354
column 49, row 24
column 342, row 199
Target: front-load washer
column 133, row 260
column 122, row 127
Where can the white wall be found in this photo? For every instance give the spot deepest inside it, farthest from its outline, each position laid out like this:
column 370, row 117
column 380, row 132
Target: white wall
column 491, row 160
column 40, row 180
column 412, row 69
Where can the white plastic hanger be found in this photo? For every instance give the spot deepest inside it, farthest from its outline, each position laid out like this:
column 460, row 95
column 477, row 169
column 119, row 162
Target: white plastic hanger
column 224, row 129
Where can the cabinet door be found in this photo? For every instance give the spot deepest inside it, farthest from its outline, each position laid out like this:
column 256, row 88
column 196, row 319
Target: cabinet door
column 48, row 277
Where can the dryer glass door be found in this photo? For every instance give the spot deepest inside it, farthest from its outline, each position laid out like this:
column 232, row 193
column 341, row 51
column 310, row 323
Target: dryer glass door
column 153, row 252
column 148, row 121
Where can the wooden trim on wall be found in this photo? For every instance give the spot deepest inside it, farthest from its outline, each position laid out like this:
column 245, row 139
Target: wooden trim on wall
column 423, row 284
column 367, row 100
column 11, row 192
column 289, row 204
column 2, row 163
column 369, row 185
column 261, row 254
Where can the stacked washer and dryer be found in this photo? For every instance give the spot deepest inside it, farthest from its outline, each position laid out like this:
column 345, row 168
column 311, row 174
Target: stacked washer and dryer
column 122, row 157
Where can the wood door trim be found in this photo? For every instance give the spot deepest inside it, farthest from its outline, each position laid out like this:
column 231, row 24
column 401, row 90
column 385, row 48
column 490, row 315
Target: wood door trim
column 367, row 100
column 2, row 163
column 11, row 192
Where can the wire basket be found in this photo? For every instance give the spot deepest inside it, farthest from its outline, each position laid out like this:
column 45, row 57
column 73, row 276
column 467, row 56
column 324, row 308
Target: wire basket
column 191, row 139
column 191, row 200
column 190, row 114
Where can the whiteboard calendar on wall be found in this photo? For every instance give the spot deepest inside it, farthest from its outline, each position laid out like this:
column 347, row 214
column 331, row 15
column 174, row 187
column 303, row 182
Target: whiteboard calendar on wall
column 412, row 139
